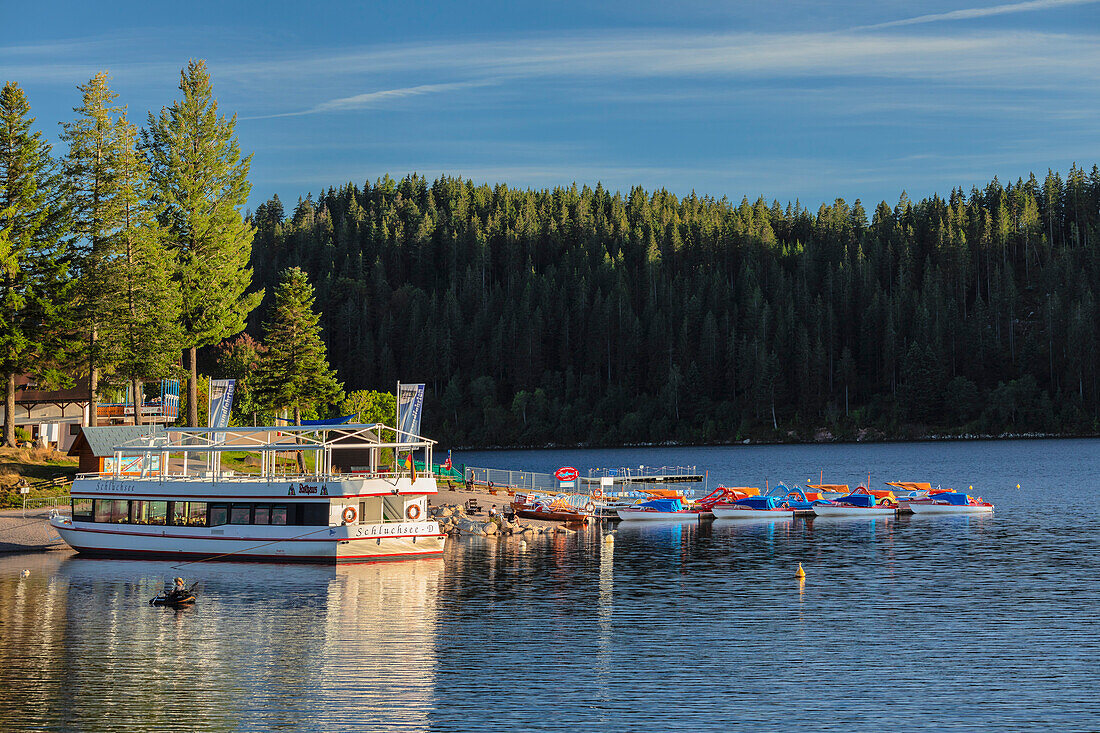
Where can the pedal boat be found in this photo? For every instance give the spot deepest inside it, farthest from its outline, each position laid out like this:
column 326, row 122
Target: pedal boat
column 860, row 503
column 661, row 510
column 950, row 502
column 754, row 507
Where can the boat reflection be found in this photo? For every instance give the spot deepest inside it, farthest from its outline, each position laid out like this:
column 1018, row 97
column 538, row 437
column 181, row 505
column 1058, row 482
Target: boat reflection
column 265, row 647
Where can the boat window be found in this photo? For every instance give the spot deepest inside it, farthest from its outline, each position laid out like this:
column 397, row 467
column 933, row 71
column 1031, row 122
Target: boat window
column 139, row 512
column 112, row 511
column 278, row 514
column 148, row 512
column 196, row 514
column 240, row 514
column 82, row 510
column 177, row 511
column 362, row 512
column 219, row 514
column 393, row 509
column 263, row 514
column 315, row 514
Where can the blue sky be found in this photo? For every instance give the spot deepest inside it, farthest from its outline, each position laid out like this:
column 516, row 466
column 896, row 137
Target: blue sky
column 796, row 100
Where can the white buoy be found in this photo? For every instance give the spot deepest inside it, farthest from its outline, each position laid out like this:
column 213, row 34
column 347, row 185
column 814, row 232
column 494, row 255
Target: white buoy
column 522, row 545
column 25, row 573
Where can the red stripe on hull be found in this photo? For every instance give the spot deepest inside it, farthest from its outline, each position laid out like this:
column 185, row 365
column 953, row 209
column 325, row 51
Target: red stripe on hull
column 241, row 539
column 329, row 560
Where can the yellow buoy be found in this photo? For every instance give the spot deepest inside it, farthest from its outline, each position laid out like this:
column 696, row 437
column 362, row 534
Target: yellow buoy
column 1017, row 486
column 800, row 573
column 609, row 539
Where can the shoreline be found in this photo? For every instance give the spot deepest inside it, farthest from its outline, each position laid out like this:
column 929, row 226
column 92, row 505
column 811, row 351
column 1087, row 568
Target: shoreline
column 930, row 438
column 33, row 533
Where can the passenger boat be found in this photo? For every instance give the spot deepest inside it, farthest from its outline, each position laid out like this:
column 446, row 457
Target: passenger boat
column 859, row 503
column 171, row 506
column 755, row 507
column 950, row 502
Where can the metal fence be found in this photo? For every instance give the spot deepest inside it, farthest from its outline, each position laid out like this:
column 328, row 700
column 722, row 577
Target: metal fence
column 500, row 478
column 639, row 472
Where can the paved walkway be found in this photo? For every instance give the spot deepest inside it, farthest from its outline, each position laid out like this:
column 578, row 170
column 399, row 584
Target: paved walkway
column 30, row 534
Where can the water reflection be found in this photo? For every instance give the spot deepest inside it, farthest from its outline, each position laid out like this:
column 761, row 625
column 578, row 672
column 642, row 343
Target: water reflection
column 266, row 647
column 895, row 623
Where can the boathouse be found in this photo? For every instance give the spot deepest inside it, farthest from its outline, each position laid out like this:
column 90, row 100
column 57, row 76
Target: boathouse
column 94, row 447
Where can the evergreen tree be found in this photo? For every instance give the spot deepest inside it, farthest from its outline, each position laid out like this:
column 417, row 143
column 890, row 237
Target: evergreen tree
column 200, row 184
column 148, row 336
column 34, row 287
column 294, row 371
column 94, row 193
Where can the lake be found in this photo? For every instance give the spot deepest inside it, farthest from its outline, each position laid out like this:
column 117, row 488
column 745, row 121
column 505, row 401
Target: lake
column 909, row 623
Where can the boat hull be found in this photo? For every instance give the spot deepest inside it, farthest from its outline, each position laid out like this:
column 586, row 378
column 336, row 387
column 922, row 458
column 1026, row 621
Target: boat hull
column 923, row 508
column 330, row 545
column 577, row 517
column 823, row 510
column 641, row 515
column 731, row 513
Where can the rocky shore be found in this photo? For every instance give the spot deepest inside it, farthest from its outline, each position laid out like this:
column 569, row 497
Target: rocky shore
column 448, row 507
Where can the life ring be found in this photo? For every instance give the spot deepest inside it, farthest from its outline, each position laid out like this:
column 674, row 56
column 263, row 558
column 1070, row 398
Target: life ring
column 590, row 507
column 349, row 514
column 413, row 512
column 597, row 493
column 887, row 501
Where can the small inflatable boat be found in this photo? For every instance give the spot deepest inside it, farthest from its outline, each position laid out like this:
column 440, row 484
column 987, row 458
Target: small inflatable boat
column 175, row 598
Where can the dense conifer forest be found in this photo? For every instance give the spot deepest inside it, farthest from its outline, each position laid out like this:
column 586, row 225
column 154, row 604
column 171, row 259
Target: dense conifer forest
column 589, row 316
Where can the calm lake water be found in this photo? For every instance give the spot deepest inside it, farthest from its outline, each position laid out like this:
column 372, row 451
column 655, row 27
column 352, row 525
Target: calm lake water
column 930, row 623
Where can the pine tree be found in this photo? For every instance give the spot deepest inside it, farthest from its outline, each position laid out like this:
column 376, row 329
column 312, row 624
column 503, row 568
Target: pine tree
column 294, row 372
column 148, row 333
column 201, row 183
column 34, row 286
column 90, row 175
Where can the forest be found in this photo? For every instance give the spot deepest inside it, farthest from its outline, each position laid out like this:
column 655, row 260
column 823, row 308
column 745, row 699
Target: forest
column 586, row 316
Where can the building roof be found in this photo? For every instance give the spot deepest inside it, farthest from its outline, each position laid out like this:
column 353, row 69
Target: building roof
column 102, row 440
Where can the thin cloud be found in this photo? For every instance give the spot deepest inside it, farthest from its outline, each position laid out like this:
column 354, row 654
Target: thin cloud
column 374, row 99
column 968, row 13
column 1004, row 57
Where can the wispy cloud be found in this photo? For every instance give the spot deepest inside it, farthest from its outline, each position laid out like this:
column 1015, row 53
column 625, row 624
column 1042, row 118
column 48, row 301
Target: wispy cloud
column 375, row 99
column 973, row 57
column 969, row 13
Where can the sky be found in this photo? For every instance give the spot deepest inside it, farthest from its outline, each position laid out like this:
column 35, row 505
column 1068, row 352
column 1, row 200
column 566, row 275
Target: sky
column 802, row 100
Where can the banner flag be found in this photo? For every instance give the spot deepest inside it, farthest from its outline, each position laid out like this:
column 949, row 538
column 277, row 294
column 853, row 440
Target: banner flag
column 220, row 404
column 410, row 405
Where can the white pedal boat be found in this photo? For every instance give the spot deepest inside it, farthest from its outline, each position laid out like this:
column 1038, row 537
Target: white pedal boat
column 950, row 503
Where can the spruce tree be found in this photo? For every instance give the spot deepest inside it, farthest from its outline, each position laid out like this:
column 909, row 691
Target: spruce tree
column 94, row 196
column 200, row 184
column 148, row 336
column 294, row 372
column 34, row 288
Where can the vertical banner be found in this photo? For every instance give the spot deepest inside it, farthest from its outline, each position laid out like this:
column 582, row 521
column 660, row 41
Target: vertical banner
column 221, row 402
column 410, row 404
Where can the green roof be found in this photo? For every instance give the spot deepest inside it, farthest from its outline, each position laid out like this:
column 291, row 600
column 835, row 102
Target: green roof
column 102, row 440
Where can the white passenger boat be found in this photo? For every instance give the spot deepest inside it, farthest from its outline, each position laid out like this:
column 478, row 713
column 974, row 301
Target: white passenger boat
column 158, row 502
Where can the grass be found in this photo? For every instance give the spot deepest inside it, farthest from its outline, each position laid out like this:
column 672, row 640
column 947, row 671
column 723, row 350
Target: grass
column 31, row 464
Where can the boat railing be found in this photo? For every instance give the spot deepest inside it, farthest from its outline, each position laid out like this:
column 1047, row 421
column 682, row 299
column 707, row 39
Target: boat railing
column 234, row 476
